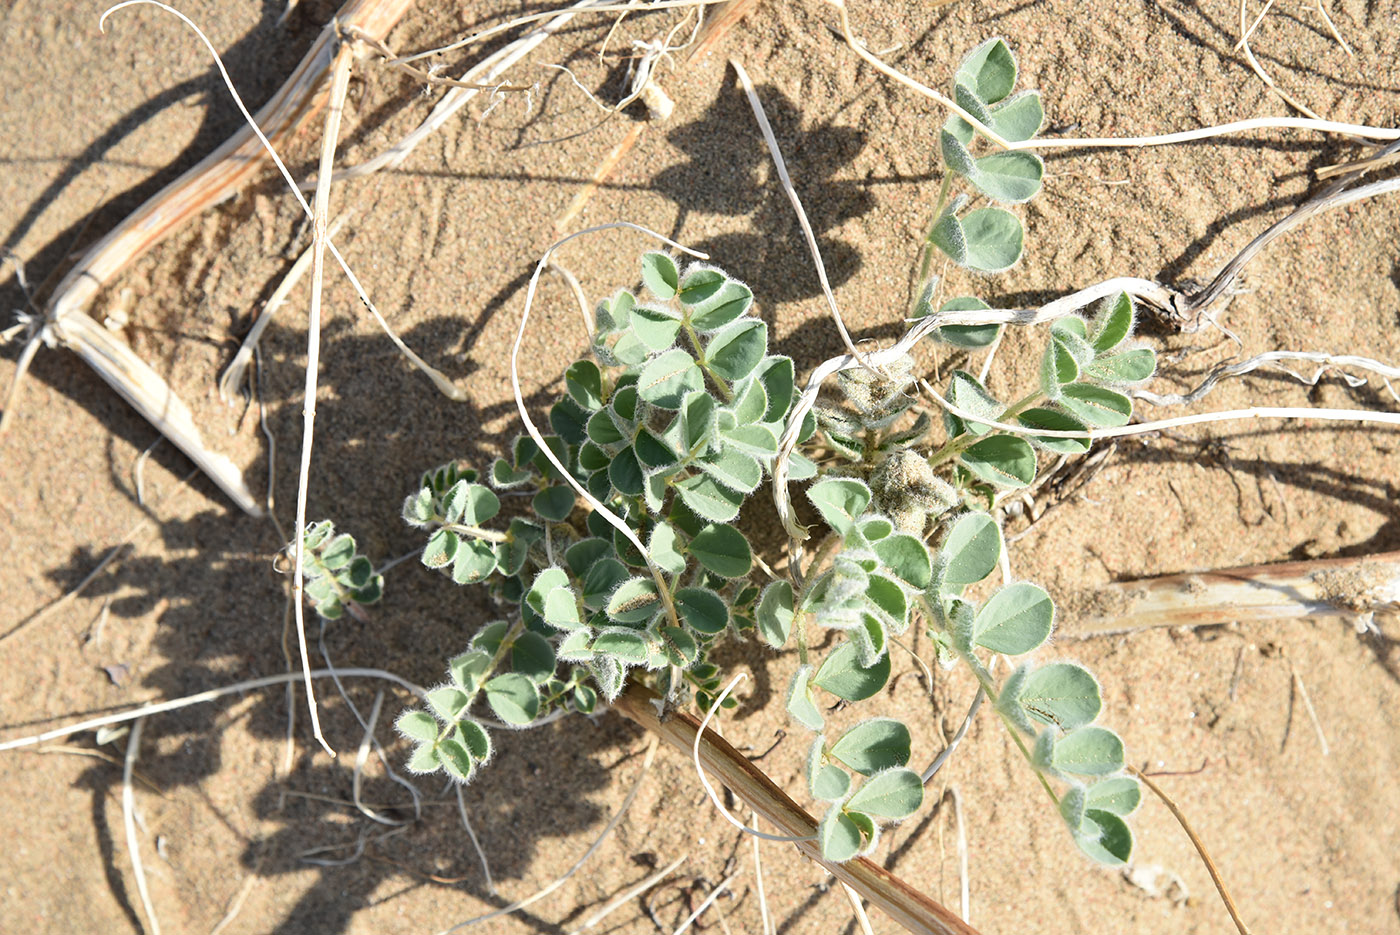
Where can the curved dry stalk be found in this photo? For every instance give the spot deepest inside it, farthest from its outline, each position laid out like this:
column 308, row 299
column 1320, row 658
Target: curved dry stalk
column 767, row 130
column 1328, row 363
column 1258, row 69
column 1142, row 428
column 632, row 892
column 909, row 907
column 1196, row 842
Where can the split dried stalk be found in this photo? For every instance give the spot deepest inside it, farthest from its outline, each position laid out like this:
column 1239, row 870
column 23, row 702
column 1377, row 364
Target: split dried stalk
column 906, row 905
column 216, row 177
column 1354, row 589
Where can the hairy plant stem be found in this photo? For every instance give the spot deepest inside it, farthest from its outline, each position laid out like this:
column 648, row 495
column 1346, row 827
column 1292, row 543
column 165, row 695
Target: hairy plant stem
column 956, row 446
column 926, row 262
column 476, row 532
column 694, row 340
column 507, row 641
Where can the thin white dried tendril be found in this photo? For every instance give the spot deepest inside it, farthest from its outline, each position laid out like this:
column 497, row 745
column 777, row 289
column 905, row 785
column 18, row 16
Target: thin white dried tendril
column 1329, row 363
column 767, row 130
column 533, row 17
column 612, row 518
column 1142, row 428
column 212, row 694
column 486, row 71
column 1164, row 139
column 598, row 842
column 710, row 790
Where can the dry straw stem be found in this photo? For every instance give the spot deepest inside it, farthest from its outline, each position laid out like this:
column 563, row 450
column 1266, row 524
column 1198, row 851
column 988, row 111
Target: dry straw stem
column 907, row 906
column 1200, row 846
column 1354, row 589
column 133, row 843
column 216, row 177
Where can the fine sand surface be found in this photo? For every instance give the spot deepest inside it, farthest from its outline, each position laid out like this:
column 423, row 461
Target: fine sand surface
column 93, row 124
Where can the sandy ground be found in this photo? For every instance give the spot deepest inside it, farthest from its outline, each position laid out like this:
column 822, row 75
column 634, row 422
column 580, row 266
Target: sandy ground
column 92, row 125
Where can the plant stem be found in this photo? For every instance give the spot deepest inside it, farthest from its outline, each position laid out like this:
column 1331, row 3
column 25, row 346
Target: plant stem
column 956, row 446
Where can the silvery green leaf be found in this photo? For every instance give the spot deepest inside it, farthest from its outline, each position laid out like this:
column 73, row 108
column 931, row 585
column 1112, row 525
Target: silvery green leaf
column 727, row 304
column 475, row 559
column 989, row 71
column 476, row 740
column 514, row 697
column 838, row 836
column 584, row 383
column 1012, row 177
column 1055, row 421
column 448, row 703
column 468, row 668
column 736, row 350
column 1120, row 795
column 775, row 613
column 1015, row 620
column 843, row 676
column 733, row 469
column 634, row 601
column 624, row 645
column 840, row 501
column 947, row 234
column 626, row 474
column 1088, row 751
column 417, row 725
column 655, row 327
column 967, row 393
column 1105, row 837
column 893, row 794
column 779, row 382
column 1095, row 405
column 418, row 508
column 907, row 558
column 799, row 700
column 424, row 759
column 955, row 154
column 660, row 275
column 1131, row 366
column 666, row 380
column 1004, row 460
column 754, row 440
column 969, row 552
column 532, row 656
column 1113, row 323
column 708, row 499
column 666, row 549
column 993, row 238
column 700, row 283
column 504, row 476
column 703, row 609
column 554, row 503
column 1019, row 117
column 441, row 548
column 750, row 401
column 723, row 550
column 1064, row 694
column 873, row 745
column 455, row 759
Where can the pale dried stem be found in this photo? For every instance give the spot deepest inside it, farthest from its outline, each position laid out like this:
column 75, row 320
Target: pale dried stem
column 1200, row 846
column 767, row 130
column 906, row 905
column 340, row 83
column 133, row 843
column 632, row 892
column 1353, row 589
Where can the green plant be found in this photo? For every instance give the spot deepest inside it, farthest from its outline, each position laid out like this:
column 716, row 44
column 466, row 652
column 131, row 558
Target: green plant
column 628, row 562
column 338, row 578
